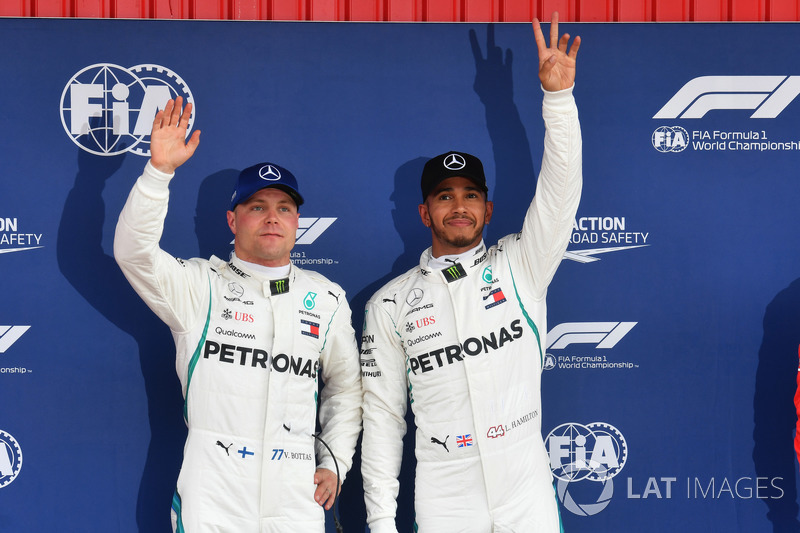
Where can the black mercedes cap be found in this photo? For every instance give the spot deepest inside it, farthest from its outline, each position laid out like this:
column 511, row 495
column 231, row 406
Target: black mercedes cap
column 450, row 165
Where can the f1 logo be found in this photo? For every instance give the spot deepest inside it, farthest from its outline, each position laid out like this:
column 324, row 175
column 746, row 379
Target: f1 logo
column 768, row 95
column 309, row 229
column 9, row 335
column 604, row 334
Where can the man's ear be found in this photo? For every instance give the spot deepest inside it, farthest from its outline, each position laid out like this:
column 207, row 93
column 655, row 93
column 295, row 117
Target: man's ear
column 424, row 215
column 231, row 221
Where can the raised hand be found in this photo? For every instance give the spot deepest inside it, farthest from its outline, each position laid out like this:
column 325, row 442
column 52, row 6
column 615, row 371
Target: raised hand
column 556, row 64
column 169, row 148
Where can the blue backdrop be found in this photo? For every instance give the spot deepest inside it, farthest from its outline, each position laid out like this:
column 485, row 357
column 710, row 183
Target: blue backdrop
column 672, row 351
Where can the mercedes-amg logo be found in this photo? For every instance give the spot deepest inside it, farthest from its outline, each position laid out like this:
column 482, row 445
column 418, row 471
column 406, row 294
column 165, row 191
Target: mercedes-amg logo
column 454, row 162
column 236, row 289
column 270, row 173
column 414, row 297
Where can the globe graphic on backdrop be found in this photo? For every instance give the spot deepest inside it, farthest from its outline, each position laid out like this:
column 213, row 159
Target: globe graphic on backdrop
column 107, row 109
column 100, row 134
column 665, row 138
column 661, row 133
column 579, row 436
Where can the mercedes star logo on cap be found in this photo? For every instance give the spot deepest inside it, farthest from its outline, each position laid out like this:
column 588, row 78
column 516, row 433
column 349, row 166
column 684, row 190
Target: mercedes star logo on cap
column 268, row 170
column 454, row 162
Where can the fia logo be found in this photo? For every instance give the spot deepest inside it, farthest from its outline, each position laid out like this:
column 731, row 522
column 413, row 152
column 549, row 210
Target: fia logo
column 108, row 109
column 670, row 139
column 593, row 452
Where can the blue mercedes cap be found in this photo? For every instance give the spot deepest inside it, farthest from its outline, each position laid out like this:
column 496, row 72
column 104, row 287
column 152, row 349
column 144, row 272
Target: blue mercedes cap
column 263, row 175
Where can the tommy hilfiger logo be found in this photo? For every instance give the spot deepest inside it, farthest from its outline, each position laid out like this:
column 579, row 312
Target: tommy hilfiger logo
column 496, row 297
column 310, row 329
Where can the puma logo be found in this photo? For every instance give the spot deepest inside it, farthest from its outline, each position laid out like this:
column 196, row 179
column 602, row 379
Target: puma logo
column 434, row 440
column 226, row 448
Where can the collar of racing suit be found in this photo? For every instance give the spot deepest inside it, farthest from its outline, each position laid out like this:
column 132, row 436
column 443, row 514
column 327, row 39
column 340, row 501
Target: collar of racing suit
column 254, row 279
column 468, row 262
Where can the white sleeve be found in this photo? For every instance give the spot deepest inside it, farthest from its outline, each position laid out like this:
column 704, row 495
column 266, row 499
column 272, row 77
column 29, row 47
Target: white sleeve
column 548, row 223
column 385, row 395
column 340, row 398
column 163, row 282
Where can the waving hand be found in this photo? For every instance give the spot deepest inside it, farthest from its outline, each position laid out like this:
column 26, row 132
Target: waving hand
column 169, row 148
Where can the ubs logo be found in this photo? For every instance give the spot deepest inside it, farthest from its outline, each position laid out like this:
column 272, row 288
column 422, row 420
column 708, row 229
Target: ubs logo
column 237, row 316
column 425, row 321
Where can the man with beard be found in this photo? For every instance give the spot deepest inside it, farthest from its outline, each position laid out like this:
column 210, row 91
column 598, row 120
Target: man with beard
column 463, row 336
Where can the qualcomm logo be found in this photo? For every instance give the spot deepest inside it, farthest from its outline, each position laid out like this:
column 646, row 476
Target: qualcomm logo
column 767, row 95
column 9, row 335
column 584, row 460
column 107, row 109
column 10, row 459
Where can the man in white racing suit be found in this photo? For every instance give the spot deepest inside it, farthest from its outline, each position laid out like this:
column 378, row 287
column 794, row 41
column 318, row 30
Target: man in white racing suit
column 463, row 336
column 253, row 336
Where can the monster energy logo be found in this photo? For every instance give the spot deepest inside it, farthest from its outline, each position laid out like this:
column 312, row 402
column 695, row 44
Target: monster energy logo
column 278, row 286
column 454, row 272
column 308, row 301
